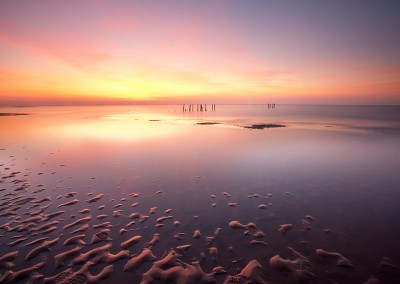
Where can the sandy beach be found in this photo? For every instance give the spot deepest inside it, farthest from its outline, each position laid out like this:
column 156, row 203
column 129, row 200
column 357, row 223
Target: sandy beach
column 238, row 195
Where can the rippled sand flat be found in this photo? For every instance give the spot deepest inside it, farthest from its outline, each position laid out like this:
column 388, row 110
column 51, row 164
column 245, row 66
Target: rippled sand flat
column 155, row 195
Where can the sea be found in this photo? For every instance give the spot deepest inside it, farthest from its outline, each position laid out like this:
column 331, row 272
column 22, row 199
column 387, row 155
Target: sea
column 332, row 172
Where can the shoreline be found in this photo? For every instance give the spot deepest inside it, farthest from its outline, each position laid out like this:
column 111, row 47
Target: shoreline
column 12, row 114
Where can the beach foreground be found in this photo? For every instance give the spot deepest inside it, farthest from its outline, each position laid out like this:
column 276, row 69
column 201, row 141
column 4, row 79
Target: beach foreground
column 239, row 194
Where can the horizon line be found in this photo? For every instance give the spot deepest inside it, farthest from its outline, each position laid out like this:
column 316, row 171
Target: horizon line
column 89, row 104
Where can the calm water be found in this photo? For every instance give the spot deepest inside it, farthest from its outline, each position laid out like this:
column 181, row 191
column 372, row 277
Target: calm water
column 339, row 164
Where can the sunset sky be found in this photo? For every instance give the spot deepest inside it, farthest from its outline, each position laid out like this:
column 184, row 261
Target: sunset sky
column 204, row 51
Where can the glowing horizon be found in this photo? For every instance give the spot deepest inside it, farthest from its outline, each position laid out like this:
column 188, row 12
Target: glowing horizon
column 208, row 51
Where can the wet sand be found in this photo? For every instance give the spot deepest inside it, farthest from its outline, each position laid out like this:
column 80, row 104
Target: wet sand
column 264, row 125
column 69, row 216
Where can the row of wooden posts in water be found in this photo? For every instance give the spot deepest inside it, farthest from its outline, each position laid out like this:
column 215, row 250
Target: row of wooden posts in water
column 200, row 107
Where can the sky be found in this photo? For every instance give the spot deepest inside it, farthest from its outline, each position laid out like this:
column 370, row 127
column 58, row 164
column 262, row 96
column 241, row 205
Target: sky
column 204, row 51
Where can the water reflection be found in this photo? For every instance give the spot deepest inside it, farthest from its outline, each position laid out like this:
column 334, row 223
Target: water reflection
column 346, row 178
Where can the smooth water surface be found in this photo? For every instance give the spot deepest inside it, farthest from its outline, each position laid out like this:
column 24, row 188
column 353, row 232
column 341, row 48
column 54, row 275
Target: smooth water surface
column 339, row 164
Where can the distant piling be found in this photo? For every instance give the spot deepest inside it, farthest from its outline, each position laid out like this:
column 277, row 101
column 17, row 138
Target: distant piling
column 199, row 107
